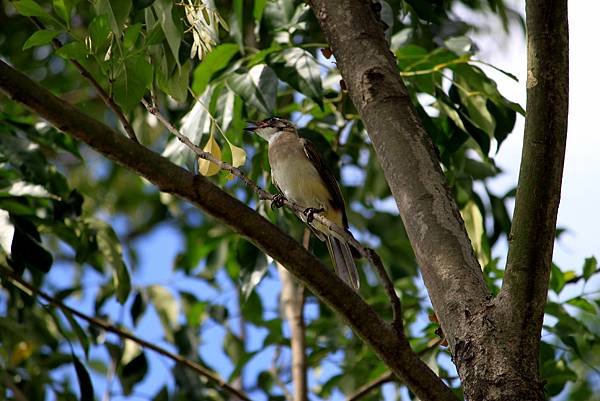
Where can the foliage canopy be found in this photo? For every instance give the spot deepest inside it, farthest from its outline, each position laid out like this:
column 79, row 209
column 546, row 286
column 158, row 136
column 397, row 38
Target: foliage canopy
column 79, row 227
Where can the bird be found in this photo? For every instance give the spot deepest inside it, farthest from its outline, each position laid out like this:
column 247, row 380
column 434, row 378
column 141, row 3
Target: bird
column 300, row 174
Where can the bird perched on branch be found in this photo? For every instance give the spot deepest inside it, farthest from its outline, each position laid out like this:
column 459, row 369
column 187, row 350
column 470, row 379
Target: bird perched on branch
column 300, row 174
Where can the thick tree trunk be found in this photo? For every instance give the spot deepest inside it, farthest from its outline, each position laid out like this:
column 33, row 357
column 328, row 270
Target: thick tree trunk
column 494, row 342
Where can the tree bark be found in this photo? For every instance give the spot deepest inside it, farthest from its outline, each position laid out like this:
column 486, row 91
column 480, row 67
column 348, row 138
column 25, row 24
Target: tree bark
column 394, row 350
column 531, row 241
column 409, row 161
column 494, row 342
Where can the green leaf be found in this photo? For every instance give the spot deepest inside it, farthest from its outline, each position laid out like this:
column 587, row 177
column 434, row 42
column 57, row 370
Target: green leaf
column 590, row 266
column 257, row 86
column 86, row 389
column 556, row 374
column 300, row 70
column 163, row 9
column 212, row 63
column 30, row 8
column 133, row 372
column 138, row 307
column 166, row 307
column 582, row 304
column 7, row 232
column 110, row 248
column 141, row 4
column 131, row 35
column 257, row 10
column 476, row 231
column 99, row 32
column 133, row 82
column 178, row 83
column 27, row 250
column 557, row 279
column 253, row 266
column 116, row 11
column 81, row 336
column 40, row 38
column 73, row 50
column 61, row 9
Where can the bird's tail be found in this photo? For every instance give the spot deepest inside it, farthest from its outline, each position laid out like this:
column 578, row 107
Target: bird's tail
column 343, row 262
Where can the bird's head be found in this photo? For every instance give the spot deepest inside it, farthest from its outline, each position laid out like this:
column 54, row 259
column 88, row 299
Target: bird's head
column 271, row 127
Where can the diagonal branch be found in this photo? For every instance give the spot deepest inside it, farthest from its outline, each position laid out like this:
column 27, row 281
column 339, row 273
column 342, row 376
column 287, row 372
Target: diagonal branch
column 201, row 370
column 106, row 98
column 367, row 253
column 392, row 348
column 388, row 376
column 529, row 261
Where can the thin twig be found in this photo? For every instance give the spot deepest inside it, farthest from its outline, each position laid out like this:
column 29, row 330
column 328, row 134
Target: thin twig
column 106, row 98
column 388, row 376
column 367, row 253
column 276, row 376
column 211, row 376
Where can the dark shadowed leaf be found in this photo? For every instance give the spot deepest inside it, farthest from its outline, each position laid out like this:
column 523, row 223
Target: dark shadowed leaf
column 257, row 86
column 300, row 70
column 86, row 389
column 133, row 372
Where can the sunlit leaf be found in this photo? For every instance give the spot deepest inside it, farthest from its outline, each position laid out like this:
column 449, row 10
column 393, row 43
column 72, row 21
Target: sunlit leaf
column 475, row 229
column 7, row 232
column 110, row 248
column 166, row 306
column 238, row 155
column 205, row 167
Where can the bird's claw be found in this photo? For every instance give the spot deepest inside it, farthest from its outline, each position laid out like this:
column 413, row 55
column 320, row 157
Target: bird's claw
column 277, row 201
column 310, row 213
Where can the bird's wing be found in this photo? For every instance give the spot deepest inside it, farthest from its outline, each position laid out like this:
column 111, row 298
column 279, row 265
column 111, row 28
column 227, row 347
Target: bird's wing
column 327, row 176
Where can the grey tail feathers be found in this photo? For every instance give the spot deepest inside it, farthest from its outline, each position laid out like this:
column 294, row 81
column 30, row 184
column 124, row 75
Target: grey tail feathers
column 343, row 262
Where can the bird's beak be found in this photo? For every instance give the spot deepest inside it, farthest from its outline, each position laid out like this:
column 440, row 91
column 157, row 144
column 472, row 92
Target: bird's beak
column 251, row 126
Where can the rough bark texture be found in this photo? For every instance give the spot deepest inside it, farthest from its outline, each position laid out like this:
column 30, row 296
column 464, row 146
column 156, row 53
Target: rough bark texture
column 392, row 349
column 523, row 296
column 412, row 169
column 494, row 342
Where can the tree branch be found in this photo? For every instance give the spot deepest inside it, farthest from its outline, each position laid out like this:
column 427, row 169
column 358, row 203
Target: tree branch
column 393, row 349
column 388, row 376
column 106, row 98
column 211, row 376
column 292, row 307
column 407, row 156
column 529, row 260
column 367, row 253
